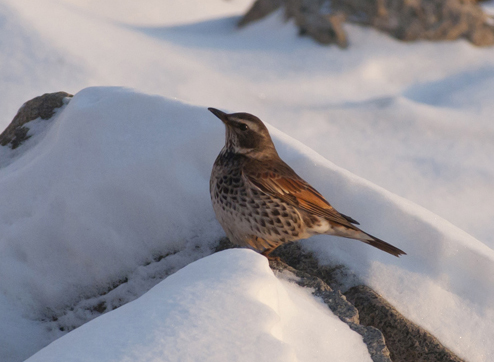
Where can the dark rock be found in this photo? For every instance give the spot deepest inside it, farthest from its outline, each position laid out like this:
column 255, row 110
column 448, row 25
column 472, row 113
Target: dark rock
column 389, row 336
column 40, row 107
column 334, row 299
column 406, row 341
column 314, row 19
column 338, row 304
column 374, row 340
column 423, row 19
column 309, row 15
column 224, row 244
column 405, row 20
column 336, row 276
column 259, row 10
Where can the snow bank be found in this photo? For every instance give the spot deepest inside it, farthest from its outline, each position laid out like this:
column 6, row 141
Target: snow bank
column 414, row 118
column 120, row 179
column 225, row 307
column 444, row 283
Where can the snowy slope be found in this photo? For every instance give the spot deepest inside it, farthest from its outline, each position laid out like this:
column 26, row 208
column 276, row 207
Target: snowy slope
column 414, row 118
column 120, row 178
column 225, row 307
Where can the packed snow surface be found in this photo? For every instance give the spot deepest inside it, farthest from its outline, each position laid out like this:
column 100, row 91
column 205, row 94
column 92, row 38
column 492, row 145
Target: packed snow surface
column 112, row 195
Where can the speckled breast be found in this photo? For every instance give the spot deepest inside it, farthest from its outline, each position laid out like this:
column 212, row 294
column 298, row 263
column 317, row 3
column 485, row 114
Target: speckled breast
column 245, row 212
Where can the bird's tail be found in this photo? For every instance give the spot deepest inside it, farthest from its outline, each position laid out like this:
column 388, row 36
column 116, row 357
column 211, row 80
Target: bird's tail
column 356, row 233
column 382, row 245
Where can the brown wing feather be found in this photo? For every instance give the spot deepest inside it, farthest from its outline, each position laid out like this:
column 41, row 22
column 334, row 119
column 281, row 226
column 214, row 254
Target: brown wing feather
column 280, row 181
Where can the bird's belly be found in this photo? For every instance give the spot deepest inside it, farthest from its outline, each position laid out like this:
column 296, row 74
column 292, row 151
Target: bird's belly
column 319, row 226
column 249, row 214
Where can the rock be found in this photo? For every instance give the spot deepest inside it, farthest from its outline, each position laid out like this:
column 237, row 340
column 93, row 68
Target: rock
column 374, row 340
column 406, row 341
column 423, row 19
column 314, row 20
column 337, row 276
column 259, row 10
column 404, row 19
column 334, row 299
column 338, row 304
column 389, row 336
column 324, row 27
column 40, row 107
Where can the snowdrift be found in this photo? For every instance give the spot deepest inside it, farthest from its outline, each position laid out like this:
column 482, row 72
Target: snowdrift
column 225, row 307
column 119, row 179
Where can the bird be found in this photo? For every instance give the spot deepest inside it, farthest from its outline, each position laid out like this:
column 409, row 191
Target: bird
column 261, row 202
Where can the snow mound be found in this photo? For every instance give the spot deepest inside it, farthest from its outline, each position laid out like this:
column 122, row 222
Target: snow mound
column 115, row 182
column 225, row 307
column 120, row 179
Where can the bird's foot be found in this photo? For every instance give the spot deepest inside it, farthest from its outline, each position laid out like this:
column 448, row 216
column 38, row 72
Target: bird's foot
column 267, row 254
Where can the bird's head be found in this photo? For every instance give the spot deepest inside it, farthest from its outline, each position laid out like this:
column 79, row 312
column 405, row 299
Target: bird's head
column 245, row 134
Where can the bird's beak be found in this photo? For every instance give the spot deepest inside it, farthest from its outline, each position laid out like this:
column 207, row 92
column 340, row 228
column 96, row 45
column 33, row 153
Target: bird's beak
column 221, row 115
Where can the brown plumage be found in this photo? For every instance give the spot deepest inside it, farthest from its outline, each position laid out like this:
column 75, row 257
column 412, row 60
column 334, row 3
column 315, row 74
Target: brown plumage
column 261, row 202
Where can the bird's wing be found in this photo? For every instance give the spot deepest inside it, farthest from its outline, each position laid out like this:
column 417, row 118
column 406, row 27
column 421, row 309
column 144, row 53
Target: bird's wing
column 282, row 182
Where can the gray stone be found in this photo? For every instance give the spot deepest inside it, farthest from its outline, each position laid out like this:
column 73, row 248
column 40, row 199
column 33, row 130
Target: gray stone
column 338, row 304
column 309, row 15
column 423, row 19
column 404, row 19
column 375, row 342
column 259, row 10
column 40, row 107
column 406, row 341
column 338, row 277
column 315, row 18
column 333, row 299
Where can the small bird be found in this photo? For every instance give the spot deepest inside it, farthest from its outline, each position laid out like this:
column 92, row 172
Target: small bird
column 261, row 202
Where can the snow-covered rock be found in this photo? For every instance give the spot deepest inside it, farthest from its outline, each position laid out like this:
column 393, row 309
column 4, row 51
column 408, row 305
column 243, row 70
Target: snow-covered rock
column 42, row 107
column 225, row 307
column 414, row 118
column 119, row 180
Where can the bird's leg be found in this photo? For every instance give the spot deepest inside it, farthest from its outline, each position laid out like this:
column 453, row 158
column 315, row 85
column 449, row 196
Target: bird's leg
column 267, row 253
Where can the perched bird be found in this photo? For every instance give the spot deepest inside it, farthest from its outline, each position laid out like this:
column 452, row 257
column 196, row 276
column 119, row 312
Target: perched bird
column 261, row 202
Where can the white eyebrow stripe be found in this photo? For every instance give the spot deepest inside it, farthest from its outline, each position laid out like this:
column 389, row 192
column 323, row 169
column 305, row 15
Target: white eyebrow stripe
column 252, row 125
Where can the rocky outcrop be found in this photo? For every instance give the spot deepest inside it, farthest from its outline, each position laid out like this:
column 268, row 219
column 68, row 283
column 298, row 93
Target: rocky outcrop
column 40, row 107
column 338, row 304
column 310, row 16
column 406, row 341
column 389, row 336
column 405, row 20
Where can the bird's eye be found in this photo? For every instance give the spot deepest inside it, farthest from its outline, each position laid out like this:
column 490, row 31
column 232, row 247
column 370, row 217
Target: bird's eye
column 243, row 127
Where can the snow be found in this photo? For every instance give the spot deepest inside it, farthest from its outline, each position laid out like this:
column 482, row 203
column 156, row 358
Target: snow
column 112, row 196
column 226, row 307
column 75, row 192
